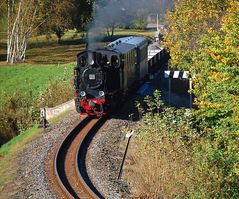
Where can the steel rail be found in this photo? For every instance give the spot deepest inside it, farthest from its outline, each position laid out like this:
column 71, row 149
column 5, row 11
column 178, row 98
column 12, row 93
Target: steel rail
column 80, row 160
column 86, row 127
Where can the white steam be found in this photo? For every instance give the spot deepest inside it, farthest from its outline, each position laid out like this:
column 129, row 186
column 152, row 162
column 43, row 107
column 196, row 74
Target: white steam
column 113, row 13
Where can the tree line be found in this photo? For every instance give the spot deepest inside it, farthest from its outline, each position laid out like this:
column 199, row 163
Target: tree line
column 25, row 17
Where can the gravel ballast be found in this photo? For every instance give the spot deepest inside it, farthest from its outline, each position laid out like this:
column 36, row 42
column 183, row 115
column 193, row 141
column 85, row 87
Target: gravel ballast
column 31, row 174
column 104, row 158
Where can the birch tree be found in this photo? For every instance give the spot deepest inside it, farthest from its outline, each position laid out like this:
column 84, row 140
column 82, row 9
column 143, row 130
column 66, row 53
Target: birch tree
column 23, row 18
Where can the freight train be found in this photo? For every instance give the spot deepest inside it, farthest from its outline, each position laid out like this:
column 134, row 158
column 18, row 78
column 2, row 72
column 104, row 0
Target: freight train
column 103, row 76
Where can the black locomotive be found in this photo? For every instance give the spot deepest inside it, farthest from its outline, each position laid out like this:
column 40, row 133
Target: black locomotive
column 103, row 76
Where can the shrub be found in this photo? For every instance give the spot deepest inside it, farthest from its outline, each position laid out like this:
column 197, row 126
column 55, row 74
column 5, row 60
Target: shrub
column 17, row 113
column 172, row 159
column 57, row 93
column 139, row 24
column 217, row 165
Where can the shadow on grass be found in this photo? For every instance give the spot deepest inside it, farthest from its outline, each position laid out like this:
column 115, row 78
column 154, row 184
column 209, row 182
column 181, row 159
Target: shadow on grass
column 57, row 54
column 73, row 42
column 3, row 57
column 51, row 43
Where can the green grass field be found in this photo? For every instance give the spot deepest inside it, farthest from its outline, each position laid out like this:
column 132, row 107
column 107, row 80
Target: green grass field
column 31, row 78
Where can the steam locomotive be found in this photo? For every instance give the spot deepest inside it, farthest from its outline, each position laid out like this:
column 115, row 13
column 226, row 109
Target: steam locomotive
column 104, row 76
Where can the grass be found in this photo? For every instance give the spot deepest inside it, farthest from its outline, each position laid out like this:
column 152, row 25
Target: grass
column 31, row 78
column 127, row 32
column 18, row 143
column 163, row 173
column 8, row 155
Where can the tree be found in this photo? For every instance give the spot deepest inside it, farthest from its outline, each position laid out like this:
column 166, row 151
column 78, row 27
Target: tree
column 24, row 17
column 65, row 14
column 58, row 17
column 3, row 20
column 27, row 16
column 188, row 22
column 82, row 14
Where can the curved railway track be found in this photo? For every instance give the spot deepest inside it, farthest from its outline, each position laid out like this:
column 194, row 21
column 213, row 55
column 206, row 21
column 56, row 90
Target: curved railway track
column 69, row 165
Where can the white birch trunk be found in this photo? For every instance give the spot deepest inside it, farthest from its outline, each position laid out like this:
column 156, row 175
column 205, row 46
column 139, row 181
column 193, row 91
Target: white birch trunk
column 20, row 25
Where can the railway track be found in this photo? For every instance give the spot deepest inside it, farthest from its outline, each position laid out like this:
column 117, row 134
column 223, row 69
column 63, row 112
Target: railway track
column 69, row 165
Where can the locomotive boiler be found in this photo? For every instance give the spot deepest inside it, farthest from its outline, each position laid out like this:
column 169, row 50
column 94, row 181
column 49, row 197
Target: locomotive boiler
column 104, row 75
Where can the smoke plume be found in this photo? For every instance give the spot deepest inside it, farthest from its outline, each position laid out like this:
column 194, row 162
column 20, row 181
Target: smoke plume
column 114, row 13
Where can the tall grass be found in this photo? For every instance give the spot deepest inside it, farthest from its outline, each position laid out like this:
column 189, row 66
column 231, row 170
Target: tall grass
column 57, row 93
column 160, row 160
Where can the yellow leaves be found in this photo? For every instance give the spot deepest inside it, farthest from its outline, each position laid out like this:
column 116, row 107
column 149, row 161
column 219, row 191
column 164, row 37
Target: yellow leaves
column 236, row 115
column 218, row 77
column 231, row 20
column 209, row 105
column 227, row 50
column 216, row 57
column 226, row 61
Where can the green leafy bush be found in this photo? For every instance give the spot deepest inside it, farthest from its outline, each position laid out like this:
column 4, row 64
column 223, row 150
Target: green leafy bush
column 139, row 24
column 17, row 113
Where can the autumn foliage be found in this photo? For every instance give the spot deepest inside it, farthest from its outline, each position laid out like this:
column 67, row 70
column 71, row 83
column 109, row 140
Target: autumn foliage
column 204, row 38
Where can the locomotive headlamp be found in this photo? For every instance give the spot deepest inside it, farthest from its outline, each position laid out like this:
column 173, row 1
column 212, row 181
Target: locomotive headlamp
column 101, row 93
column 82, row 94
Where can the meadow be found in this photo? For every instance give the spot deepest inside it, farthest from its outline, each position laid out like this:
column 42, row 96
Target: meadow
column 46, row 60
column 33, row 78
